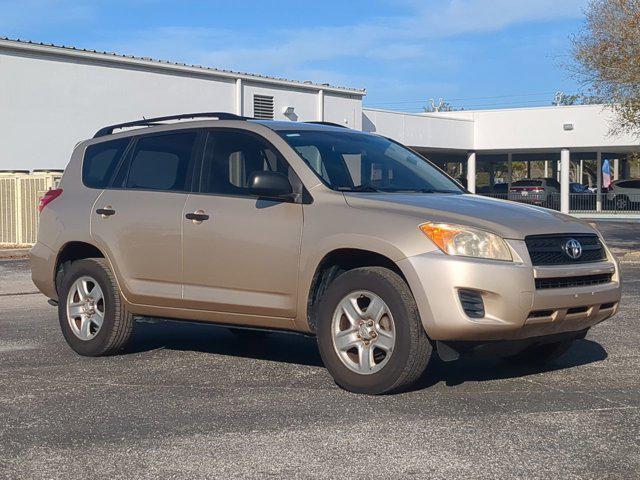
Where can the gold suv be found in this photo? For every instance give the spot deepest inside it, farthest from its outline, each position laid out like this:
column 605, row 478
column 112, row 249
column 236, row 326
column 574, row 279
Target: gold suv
column 312, row 228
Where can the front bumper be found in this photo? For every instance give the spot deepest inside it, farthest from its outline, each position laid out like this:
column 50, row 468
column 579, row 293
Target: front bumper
column 514, row 308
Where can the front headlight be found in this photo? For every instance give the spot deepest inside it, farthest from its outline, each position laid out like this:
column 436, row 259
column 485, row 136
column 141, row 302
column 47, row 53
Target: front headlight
column 467, row 241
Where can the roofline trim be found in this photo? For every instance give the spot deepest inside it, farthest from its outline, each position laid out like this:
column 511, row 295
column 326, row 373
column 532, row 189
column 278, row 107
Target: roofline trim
column 130, row 60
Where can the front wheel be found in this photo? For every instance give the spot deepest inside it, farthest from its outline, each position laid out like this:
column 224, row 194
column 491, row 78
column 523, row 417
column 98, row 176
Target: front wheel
column 369, row 334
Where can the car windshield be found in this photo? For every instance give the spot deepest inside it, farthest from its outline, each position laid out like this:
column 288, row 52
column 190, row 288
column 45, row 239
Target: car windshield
column 355, row 162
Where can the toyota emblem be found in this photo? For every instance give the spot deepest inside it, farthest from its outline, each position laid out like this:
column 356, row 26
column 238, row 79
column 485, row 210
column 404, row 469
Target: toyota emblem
column 573, row 249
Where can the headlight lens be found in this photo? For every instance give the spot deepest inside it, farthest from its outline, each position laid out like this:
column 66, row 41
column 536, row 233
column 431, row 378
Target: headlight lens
column 466, row 241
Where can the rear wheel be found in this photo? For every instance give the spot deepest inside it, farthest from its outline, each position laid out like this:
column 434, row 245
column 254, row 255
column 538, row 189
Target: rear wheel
column 541, row 354
column 92, row 316
column 369, row 334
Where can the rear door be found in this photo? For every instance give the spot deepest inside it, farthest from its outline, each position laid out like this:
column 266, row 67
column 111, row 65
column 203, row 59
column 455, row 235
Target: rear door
column 138, row 219
column 243, row 258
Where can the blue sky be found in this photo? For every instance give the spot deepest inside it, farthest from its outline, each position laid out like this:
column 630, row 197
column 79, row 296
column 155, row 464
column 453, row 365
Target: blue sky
column 403, row 52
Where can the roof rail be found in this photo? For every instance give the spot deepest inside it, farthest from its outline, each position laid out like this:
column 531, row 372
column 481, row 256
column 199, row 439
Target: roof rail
column 331, row 124
column 148, row 122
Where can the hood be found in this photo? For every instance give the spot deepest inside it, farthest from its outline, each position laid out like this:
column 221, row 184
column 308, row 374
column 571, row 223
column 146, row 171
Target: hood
column 507, row 219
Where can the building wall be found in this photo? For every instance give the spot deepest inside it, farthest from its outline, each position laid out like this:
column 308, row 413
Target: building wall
column 51, row 101
column 542, row 128
column 343, row 109
column 418, row 130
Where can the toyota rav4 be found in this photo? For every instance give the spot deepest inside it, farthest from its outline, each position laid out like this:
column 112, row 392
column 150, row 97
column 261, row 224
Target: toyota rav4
column 312, row 228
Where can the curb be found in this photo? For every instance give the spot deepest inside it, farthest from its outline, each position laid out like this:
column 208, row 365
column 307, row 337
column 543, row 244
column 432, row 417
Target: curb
column 14, row 253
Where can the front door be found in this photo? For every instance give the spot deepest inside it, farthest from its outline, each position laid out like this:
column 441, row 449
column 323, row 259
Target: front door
column 138, row 219
column 241, row 253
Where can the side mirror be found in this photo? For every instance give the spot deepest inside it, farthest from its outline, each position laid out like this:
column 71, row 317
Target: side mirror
column 270, row 185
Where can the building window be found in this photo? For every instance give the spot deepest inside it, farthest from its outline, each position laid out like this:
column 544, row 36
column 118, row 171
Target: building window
column 263, row 107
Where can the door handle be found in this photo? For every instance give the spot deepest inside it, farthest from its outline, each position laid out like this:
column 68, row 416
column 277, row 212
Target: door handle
column 106, row 211
column 197, row 217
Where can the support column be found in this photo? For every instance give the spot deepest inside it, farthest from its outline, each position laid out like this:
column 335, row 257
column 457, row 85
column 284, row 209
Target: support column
column 546, row 169
column 565, row 165
column 239, row 106
column 509, row 172
column 599, row 182
column 471, row 172
column 616, row 169
column 581, row 172
column 321, row 105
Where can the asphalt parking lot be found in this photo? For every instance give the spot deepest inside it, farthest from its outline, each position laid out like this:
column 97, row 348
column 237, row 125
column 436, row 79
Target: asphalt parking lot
column 193, row 401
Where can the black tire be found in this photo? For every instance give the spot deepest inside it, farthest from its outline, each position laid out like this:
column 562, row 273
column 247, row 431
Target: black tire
column 621, row 203
column 117, row 325
column 412, row 347
column 541, row 354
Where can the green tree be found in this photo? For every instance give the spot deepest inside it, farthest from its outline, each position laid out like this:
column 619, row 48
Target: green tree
column 607, row 58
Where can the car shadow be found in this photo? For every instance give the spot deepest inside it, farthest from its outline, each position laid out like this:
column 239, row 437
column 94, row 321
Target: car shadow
column 582, row 352
column 302, row 350
column 186, row 336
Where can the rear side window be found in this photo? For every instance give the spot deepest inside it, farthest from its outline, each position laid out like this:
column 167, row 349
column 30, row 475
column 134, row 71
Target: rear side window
column 629, row 184
column 100, row 162
column 161, row 162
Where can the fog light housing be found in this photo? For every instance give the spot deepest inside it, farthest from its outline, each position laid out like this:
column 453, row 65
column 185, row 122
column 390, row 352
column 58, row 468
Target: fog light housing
column 472, row 303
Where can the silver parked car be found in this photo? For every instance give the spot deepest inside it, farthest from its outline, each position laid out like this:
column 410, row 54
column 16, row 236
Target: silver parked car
column 537, row 191
column 624, row 194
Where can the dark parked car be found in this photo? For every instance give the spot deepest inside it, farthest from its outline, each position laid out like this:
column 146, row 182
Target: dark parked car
column 580, row 197
column 499, row 190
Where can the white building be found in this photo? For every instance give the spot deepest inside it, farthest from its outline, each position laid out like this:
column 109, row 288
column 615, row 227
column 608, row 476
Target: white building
column 51, row 97
column 568, row 142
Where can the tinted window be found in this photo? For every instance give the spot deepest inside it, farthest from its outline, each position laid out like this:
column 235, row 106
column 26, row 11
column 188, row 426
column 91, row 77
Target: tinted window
column 231, row 158
column 350, row 161
column 100, row 161
column 161, row 162
column 552, row 182
column 629, row 184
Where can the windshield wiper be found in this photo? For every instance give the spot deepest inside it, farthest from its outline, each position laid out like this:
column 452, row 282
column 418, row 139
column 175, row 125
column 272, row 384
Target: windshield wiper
column 358, row 188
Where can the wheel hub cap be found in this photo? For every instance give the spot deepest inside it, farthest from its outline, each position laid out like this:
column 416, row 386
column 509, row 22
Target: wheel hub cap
column 85, row 308
column 363, row 332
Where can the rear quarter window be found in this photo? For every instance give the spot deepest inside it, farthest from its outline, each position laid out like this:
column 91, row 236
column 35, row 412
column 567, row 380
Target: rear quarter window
column 100, row 162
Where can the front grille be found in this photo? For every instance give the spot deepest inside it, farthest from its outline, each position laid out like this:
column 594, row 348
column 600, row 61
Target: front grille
column 548, row 249
column 568, row 282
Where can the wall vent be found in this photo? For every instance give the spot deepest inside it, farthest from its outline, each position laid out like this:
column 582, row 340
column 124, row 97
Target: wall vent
column 263, row 107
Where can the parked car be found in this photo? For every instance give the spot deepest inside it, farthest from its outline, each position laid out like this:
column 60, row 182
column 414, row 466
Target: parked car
column 312, row 228
column 581, row 197
column 624, row 194
column 538, row 191
column 499, row 190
